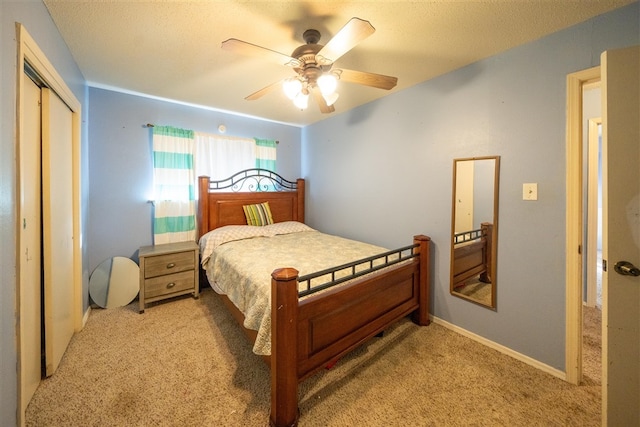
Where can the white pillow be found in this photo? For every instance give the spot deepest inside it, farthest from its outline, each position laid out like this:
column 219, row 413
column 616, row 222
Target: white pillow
column 287, row 227
column 228, row 233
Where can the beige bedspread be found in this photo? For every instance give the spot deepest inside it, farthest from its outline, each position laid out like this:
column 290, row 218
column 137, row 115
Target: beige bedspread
column 240, row 265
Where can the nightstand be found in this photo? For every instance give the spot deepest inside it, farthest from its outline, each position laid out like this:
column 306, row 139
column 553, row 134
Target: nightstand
column 168, row 270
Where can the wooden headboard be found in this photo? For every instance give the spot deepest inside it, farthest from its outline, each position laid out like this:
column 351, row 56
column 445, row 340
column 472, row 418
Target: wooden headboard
column 220, row 202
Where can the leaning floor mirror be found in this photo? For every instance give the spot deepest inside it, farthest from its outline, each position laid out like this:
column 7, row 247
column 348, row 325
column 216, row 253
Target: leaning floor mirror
column 474, row 229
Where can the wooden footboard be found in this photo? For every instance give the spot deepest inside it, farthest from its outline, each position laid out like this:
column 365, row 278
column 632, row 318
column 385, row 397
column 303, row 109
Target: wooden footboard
column 309, row 333
column 472, row 255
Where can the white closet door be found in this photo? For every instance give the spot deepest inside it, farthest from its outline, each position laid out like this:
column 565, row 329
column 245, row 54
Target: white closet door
column 57, row 213
column 30, row 247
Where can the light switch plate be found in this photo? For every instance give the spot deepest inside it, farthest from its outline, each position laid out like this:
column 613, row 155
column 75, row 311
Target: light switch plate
column 530, row 191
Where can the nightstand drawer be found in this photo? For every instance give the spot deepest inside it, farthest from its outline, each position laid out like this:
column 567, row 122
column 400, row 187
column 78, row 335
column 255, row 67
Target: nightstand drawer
column 168, row 284
column 168, row 264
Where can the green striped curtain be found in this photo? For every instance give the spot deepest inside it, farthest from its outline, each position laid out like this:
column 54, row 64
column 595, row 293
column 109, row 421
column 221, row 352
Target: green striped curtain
column 174, row 185
column 266, row 154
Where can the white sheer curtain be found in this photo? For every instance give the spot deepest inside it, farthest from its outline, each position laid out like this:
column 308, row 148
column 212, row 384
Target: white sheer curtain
column 219, row 157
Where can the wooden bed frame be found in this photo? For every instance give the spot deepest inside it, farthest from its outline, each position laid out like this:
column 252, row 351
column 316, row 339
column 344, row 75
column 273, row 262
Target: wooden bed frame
column 472, row 255
column 309, row 333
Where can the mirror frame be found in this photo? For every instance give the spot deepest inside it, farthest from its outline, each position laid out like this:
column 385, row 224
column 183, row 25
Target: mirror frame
column 490, row 239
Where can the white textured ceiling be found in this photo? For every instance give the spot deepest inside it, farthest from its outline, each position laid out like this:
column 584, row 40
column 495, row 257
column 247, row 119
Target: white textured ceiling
column 171, row 49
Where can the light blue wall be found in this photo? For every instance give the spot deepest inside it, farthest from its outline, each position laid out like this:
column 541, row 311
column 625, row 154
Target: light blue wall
column 35, row 17
column 121, row 172
column 383, row 173
column 483, row 191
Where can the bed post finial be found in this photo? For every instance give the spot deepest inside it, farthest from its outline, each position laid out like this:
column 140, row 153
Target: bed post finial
column 284, row 347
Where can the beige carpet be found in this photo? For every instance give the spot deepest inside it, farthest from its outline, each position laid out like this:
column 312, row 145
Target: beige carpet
column 592, row 346
column 186, row 363
column 477, row 290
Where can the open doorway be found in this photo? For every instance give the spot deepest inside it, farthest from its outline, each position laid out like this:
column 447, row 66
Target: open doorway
column 576, row 221
column 592, row 253
column 621, row 183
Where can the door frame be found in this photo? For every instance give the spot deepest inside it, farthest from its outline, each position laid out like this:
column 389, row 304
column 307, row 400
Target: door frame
column 574, row 222
column 29, row 51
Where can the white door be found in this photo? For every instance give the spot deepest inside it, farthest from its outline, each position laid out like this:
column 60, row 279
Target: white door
column 621, row 241
column 30, row 245
column 57, row 219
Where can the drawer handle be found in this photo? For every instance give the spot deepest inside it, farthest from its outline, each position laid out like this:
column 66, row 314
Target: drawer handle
column 171, row 285
column 171, row 265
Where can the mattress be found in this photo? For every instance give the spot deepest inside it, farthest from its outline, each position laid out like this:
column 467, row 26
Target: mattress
column 239, row 260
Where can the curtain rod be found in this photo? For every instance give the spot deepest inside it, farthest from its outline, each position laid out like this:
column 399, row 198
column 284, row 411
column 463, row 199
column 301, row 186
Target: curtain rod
column 150, row 125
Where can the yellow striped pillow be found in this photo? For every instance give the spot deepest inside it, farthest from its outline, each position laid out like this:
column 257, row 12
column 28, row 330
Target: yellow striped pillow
column 259, row 214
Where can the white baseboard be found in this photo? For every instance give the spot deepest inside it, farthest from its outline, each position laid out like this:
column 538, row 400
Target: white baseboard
column 502, row 349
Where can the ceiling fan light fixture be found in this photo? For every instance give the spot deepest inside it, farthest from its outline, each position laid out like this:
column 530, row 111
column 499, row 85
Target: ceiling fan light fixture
column 327, row 83
column 292, row 87
column 313, row 63
column 331, row 99
column 301, row 100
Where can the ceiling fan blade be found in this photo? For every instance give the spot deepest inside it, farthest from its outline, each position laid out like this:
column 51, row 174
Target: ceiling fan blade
column 324, row 108
column 350, row 35
column 379, row 81
column 264, row 91
column 238, row 46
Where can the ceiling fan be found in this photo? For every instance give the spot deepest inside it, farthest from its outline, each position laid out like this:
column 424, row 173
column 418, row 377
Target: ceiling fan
column 313, row 64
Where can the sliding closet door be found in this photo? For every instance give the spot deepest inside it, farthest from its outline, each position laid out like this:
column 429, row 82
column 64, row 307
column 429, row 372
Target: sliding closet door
column 30, row 244
column 57, row 219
